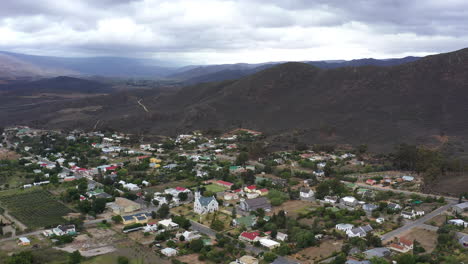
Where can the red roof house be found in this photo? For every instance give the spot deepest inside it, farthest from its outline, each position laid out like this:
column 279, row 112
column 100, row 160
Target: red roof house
column 250, row 236
column 224, row 183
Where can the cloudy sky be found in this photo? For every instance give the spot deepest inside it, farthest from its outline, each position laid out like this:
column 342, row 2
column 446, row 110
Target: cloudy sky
column 229, row 31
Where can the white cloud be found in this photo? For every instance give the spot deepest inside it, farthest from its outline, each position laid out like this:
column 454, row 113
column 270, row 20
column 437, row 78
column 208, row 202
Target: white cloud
column 218, row 31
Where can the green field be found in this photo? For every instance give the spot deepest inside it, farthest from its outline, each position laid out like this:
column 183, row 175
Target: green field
column 34, row 208
column 215, row 188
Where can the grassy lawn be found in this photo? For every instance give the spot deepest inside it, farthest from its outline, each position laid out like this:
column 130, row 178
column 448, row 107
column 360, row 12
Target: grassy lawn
column 34, row 207
column 215, row 188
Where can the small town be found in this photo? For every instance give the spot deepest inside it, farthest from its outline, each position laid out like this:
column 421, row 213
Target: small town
column 207, row 197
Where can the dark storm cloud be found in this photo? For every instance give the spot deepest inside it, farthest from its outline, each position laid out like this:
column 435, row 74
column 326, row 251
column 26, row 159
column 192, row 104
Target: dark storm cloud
column 218, row 31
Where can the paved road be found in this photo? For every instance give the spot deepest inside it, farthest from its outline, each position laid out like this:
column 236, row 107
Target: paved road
column 418, row 222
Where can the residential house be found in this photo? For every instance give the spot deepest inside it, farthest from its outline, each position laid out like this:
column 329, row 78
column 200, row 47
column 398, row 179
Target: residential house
column 252, row 195
column 263, row 191
column 306, row 194
column 123, row 206
column 380, row 252
column 463, row 240
column 359, row 231
column 460, row 208
column 403, row 245
column 281, row 236
column 250, row 236
column 62, row 230
column 411, row 214
column 407, row 178
column 349, row 201
column 369, row 207
column 268, row 243
column 169, row 252
column 230, row 196
column 24, row 241
column 247, row 260
column 251, row 188
column 151, row 226
column 458, row 222
column 176, row 191
column 254, row 204
column 224, row 184
column 167, row 224
column 380, row 220
column 330, row 199
column 371, row 182
column 354, row 261
column 140, row 218
column 344, row 227
column 203, row 205
column 394, row 206
column 190, row 235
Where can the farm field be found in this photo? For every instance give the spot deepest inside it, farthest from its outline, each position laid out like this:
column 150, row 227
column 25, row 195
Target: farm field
column 34, row 208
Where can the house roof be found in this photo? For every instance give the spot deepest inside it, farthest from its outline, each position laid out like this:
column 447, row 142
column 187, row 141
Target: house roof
column 260, row 202
column 406, row 241
column 225, row 183
column 396, row 246
column 248, row 259
column 250, row 235
column 180, row 189
column 377, row 252
column 205, row 201
column 462, row 205
column 252, row 187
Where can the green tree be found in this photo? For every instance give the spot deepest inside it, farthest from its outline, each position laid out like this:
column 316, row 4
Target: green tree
column 242, row 158
column 163, row 211
column 74, row 257
column 269, row 257
column 183, row 196
column 406, row 259
column 196, row 245
column 217, row 225
column 123, row 260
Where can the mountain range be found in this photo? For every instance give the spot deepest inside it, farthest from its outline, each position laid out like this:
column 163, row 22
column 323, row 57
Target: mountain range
column 21, row 66
column 419, row 101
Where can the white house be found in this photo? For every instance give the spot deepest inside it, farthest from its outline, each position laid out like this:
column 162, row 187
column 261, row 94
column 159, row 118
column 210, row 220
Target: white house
column 330, row 199
column 203, row 205
column 458, row 222
column 306, row 193
column 191, row 235
column 349, row 201
column 268, row 243
column 411, row 214
column 380, row 220
column 168, row 224
column 344, row 227
column 64, row 230
column 281, row 236
column 359, row 231
column 169, row 252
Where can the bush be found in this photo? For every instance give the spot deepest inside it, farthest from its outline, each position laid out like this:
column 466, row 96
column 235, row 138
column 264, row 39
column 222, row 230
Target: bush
column 269, row 257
